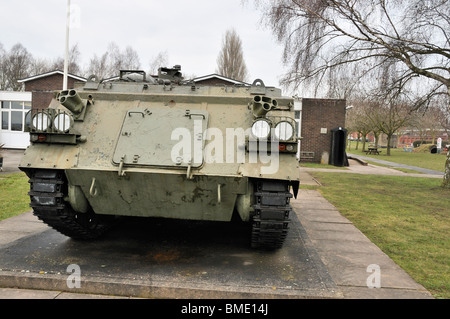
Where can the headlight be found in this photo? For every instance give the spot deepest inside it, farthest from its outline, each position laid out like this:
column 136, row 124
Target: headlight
column 62, row 122
column 284, row 131
column 40, row 121
column 261, row 129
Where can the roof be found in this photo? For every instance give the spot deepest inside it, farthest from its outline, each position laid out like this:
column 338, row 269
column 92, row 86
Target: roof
column 35, row 77
column 218, row 76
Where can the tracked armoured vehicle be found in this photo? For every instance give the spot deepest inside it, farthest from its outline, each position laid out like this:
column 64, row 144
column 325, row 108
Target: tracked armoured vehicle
column 163, row 147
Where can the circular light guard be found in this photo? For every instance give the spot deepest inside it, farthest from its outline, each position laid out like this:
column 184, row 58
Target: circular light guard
column 51, row 121
column 40, row 121
column 261, row 129
column 62, row 122
column 284, row 131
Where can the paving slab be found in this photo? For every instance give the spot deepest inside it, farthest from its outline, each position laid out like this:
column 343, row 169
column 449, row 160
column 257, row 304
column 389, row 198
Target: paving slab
column 350, row 257
column 398, row 165
column 156, row 258
column 369, row 169
column 11, row 160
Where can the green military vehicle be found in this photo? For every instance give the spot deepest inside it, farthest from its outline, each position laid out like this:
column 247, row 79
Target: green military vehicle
column 163, row 147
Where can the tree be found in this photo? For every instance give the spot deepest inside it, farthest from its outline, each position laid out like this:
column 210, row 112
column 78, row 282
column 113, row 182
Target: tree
column 15, row 66
column 127, row 59
column 230, row 62
column 158, row 61
column 111, row 62
column 2, row 70
column 320, row 35
column 74, row 61
column 389, row 118
column 358, row 120
column 99, row 66
column 429, row 122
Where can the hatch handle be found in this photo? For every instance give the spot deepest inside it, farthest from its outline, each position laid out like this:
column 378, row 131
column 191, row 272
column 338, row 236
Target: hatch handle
column 219, row 193
column 138, row 112
column 121, row 172
column 188, row 172
column 189, row 114
column 93, row 191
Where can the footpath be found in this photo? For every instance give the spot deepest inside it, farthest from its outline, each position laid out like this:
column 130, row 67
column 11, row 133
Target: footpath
column 398, row 165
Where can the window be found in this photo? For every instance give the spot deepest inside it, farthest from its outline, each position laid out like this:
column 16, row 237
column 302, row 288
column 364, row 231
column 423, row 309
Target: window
column 5, row 120
column 17, row 105
column 13, row 115
column 17, row 121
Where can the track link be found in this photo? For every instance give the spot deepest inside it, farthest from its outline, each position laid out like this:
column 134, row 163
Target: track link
column 47, row 191
column 270, row 223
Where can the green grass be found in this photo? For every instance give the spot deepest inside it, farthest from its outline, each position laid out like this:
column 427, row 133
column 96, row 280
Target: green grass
column 425, row 160
column 13, row 195
column 406, row 217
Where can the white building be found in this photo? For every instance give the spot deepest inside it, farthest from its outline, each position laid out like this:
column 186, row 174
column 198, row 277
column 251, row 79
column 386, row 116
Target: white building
column 14, row 106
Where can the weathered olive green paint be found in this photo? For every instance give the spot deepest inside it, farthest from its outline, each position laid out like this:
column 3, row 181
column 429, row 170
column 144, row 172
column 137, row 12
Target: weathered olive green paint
column 146, row 139
column 160, row 194
column 121, row 164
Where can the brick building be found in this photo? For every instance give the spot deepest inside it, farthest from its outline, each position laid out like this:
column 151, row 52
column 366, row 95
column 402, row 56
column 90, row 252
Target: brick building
column 318, row 117
column 14, row 106
column 43, row 85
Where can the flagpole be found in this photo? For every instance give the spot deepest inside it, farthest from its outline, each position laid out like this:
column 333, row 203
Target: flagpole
column 66, row 59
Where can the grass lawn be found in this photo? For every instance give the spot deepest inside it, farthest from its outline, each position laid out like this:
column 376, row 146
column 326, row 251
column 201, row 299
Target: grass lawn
column 425, row 160
column 13, row 195
column 407, row 217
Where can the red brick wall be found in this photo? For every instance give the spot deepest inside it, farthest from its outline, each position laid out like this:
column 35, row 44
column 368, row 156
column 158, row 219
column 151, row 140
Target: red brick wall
column 42, row 89
column 317, row 114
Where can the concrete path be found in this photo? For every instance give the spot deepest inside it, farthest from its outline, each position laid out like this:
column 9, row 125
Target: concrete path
column 368, row 169
column 392, row 164
column 352, row 260
column 11, row 159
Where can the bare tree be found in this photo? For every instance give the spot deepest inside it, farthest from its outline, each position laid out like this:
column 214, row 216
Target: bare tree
column 412, row 35
column 390, row 117
column 230, row 62
column 429, row 123
column 2, row 68
column 444, row 120
column 74, row 61
column 15, row 66
column 160, row 60
column 111, row 62
column 40, row 66
column 320, row 35
column 127, row 59
column 131, row 59
column 358, row 119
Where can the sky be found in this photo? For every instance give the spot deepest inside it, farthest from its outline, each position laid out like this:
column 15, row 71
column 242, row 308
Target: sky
column 190, row 32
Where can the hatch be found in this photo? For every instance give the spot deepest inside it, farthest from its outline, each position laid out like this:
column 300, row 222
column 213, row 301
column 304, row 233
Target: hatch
column 162, row 137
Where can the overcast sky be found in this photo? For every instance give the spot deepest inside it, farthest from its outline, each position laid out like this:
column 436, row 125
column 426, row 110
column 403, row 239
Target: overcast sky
column 190, row 31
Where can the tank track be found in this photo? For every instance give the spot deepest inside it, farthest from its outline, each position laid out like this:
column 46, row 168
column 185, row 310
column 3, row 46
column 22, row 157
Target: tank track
column 270, row 222
column 48, row 188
